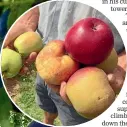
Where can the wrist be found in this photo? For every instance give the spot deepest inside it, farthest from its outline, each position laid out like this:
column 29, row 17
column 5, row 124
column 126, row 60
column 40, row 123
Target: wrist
column 48, row 121
column 49, row 117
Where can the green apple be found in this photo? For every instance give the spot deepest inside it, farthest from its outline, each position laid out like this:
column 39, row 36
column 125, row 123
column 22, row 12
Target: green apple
column 28, row 42
column 11, row 63
column 109, row 64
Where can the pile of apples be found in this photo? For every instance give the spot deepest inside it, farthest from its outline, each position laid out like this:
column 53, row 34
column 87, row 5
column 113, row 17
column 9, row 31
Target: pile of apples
column 82, row 60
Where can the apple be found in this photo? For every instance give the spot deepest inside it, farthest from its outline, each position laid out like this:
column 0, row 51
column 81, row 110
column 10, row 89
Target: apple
column 28, row 42
column 110, row 63
column 54, row 70
column 54, row 48
column 11, row 63
column 89, row 91
column 53, row 65
column 89, row 41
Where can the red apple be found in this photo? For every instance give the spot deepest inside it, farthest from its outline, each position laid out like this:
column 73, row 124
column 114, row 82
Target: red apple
column 89, row 41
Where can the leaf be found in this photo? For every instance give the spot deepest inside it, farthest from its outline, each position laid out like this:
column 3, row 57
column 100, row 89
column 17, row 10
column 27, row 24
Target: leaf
column 19, row 119
column 6, row 0
column 8, row 117
column 17, row 9
column 5, row 107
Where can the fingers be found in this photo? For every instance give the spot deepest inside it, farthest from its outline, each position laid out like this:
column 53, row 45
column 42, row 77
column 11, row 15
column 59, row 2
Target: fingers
column 63, row 93
column 111, row 78
column 122, row 60
column 24, row 70
column 31, row 58
column 28, row 22
column 55, row 88
column 116, row 79
column 15, row 31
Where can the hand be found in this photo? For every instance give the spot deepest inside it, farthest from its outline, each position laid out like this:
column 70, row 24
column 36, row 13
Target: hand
column 122, row 60
column 60, row 90
column 28, row 22
column 26, row 62
column 30, row 59
column 117, row 78
column 63, row 93
column 49, row 117
column 55, row 88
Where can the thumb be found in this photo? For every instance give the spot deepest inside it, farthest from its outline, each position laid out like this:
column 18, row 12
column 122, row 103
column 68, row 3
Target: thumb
column 63, row 93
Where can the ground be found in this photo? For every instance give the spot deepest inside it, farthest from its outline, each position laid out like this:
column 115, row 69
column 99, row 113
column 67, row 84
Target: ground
column 22, row 91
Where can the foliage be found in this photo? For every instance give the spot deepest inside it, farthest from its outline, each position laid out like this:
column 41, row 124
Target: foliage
column 17, row 9
column 19, row 119
column 9, row 118
column 5, row 107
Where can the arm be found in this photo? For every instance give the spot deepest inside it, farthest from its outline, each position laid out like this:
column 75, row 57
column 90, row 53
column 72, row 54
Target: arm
column 49, row 117
column 28, row 22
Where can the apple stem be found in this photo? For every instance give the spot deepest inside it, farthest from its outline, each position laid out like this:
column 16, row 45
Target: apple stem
column 94, row 28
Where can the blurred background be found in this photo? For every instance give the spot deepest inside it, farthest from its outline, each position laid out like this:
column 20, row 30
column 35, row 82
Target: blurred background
column 10, row 10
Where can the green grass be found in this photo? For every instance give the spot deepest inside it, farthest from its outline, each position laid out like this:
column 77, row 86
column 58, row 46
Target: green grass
column 8, row 117
column 26, row 98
